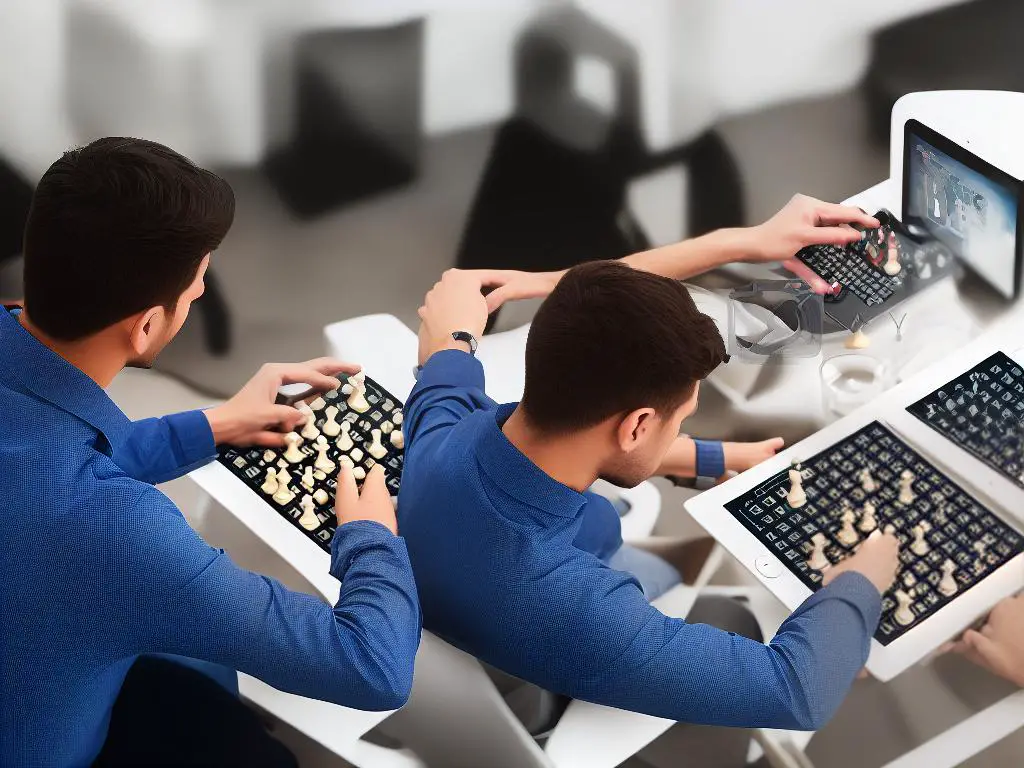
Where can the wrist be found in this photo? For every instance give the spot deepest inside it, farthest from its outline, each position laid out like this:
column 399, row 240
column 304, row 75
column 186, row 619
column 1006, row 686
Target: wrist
column 224, row 428
column 747, row 243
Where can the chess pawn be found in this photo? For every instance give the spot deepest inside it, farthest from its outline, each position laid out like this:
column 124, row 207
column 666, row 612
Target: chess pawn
column 321, row 497
column 269, row 486
column 345, row 461
column 398, row 439
column 376, row 449
column 979, row 564
column 796, row 496
column 345, row 441
column 397, row 418
column 357, row 399
column 892, row 265
column 323, row 463
column 293, row 455
column 818, row 560
column 948, row 584
column 359, row 473
column 269, row 456
column 309, row 520
column 307, row 478
column 867, row 482
column 868, row 523
column 356, row 454
column 906, row 487
column 919, row 546
column 387, row 428
column 331, row 428
column 283, row 494
column 309, row 430
column 318, row 405
column 903, row 615
column 848, row 534
column 857, row 340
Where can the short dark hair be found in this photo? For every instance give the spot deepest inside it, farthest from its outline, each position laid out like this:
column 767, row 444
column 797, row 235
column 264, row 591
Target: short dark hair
column 116, row 227
column 611, row 339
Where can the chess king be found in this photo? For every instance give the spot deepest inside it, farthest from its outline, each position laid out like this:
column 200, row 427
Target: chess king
column 122, row 629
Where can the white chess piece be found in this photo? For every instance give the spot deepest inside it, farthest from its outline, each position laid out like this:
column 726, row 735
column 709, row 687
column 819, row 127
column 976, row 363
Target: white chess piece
column 357, row 399
column 270, row 484
column 356, row 454
column 283, row 494
column 307, row 478
column 293, row 455
column 979, row 564
column 868, row 523
column 323, row 463
column 318, row 404
column 398, row 439
column 387, row 428
column 948, row 584
column 331, row 428
column 848, row 534
column 892, row 264
column 309, row 430
column 359, row 473
column 321, row 497
column 345, row 461
column 796, row 496
column 269, row 456
column 857, row 340
column 818, row 560
column 919, row 546
column 398, row 418
column 309, row 520
column 906, row 487
column 376, row 449
column 867, row 482
column 925, row 272
column 903, row 615
column 345, row 440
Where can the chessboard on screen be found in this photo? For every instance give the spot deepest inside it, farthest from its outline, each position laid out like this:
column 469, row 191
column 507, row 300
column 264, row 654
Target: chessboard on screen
column 816, row 514
column 359, row 425
column 982, row 411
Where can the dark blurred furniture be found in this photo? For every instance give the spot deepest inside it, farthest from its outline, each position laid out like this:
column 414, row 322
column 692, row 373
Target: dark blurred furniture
column 553, row 193
column 358, row 121
column 976, row 45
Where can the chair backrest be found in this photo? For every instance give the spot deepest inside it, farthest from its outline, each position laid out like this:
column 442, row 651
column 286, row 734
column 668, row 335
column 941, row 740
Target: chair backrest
column 456, row 718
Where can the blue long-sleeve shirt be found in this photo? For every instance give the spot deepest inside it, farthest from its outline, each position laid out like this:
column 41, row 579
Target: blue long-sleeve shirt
column 98, row 567
column 501, row 574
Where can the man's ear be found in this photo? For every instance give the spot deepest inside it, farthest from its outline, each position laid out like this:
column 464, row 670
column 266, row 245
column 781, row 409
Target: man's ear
column 633, row 428
column 146, row 327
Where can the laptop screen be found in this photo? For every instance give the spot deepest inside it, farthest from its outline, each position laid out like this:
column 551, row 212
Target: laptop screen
column 965, row 202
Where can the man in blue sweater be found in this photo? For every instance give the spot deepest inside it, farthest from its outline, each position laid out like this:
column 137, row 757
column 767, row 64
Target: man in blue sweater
column 103, row 579
column 515, row 559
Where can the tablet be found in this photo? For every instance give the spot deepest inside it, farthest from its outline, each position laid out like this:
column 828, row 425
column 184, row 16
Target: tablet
column 969, row 204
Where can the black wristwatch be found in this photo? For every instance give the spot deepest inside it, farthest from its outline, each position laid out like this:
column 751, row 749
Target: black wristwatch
column 468, row 338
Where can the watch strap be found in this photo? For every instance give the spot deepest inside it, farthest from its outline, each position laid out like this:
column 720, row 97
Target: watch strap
column 710, row 460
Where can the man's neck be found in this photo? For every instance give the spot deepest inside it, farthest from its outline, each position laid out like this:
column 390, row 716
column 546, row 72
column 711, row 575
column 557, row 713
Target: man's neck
column 562, row 458
column 92, row 356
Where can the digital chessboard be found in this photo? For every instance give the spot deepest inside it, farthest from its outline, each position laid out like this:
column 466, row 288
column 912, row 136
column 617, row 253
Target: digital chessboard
column 308, row 474
column 958, row 528
column 982, row 410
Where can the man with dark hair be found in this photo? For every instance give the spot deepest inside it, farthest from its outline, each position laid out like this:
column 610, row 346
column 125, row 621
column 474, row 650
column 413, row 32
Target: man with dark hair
column 116, row 617
column 519, row 564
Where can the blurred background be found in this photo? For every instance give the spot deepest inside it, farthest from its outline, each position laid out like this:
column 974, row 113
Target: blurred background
column 371, row 145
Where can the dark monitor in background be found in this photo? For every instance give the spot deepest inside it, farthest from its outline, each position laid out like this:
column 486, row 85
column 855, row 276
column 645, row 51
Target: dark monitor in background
column 969, row 204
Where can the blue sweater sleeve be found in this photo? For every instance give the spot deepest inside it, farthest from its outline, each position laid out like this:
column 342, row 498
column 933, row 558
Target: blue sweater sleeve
column 450, row 386
column 648, row 662
column 194, row 601
column 158, row 450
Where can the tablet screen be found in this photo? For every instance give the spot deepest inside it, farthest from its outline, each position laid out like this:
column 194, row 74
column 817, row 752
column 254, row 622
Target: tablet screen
column 965, row 202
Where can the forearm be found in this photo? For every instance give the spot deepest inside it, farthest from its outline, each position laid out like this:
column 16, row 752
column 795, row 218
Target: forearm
column 692, row 257
column 161, row 449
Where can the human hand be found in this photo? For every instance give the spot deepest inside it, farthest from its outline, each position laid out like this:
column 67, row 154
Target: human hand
column 513, row 285
column 876, row 559
column 743, row 456
column 999, row 646
column 253, row 418
column 806, row 221
column 455, row 303
column 373, row 504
